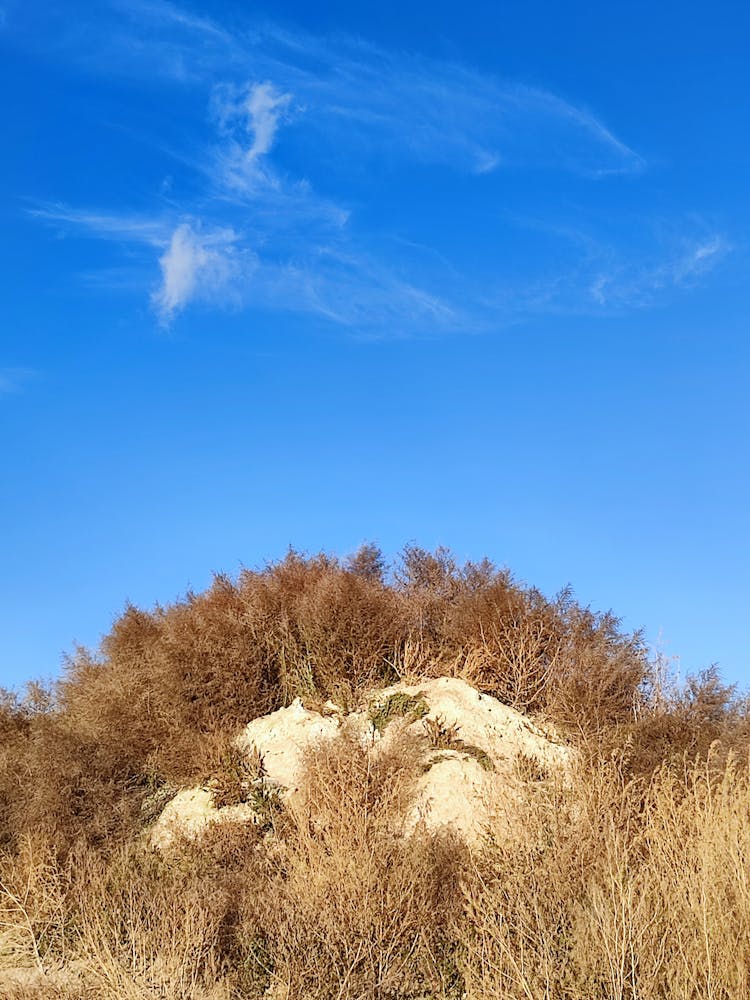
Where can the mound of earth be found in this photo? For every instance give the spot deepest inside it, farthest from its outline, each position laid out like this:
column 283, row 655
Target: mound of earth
column 480, row 756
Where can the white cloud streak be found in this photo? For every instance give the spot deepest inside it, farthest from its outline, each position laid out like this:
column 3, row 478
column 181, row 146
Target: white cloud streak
column 444, row 113
column 248, row 118
column 698, row 258
column 166, row 13
column 258, row 235
column 124, row 228
column 338, row 280
column 637, row 284
column 264, row 107
column 197, row 262
column 387, row 103
column 195, row 265
column 351, row 289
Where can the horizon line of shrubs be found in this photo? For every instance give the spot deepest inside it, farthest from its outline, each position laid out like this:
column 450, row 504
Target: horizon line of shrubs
column 157, row 702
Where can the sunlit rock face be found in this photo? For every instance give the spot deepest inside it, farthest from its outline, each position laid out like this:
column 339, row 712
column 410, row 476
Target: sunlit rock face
column 485, row 758
column 479, row 758
column 190, row 812
column 283, row 737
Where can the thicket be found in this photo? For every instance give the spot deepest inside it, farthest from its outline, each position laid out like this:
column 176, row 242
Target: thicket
column 630, row 882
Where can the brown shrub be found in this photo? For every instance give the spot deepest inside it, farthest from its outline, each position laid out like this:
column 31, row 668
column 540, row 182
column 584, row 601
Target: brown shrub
column 649, row 843
column 145, row 711
column 350, row 909
column 611, row 889
column 618, row 890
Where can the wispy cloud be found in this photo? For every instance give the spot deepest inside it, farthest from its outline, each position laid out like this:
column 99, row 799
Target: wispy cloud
column 698, row 258
column 263, row 106
column 334, row 279
column 196, row 264
column 263, row 228
column 445, row 113
column 120, row 227
column 248, row 117
column 169, row 14
column 637, row 284
column 347, row 287
column 386, row 103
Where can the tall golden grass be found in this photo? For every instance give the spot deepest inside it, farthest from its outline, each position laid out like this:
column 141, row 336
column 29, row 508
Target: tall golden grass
column 629, row 880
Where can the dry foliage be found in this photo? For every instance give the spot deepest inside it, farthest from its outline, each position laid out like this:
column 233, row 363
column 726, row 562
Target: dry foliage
column 620, row 890
column 630, row 882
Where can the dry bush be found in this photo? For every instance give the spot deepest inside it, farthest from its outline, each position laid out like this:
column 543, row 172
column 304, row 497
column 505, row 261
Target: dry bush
column 352, row 910
column 598, row 681
column 33, row 891
column 629, row 882
column 521, row 901
column 508, row 639
column 14, row 766
column 673, row 720
column 146, row 929
column 611, row 889
column 616, row 890
column 536, row 654
column 668, row 912
column 132, row 925
column 349, row 626
column 704, row 885
column 143, row 712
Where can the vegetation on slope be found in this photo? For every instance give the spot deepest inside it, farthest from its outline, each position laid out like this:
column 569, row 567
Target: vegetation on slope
column 652, row 837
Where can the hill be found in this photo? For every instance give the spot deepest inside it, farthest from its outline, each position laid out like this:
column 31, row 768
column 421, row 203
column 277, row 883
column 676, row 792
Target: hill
column 448, row 785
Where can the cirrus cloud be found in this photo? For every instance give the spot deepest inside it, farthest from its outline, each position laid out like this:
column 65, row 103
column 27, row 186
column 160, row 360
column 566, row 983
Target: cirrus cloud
column 196, row 264
column 291, row 225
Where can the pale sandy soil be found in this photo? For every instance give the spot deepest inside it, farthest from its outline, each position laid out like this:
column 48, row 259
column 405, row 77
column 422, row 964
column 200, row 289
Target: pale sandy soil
column 476, row 777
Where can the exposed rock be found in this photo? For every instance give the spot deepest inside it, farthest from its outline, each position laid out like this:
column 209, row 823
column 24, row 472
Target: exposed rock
column 479, row 755
column 190, row 812
column 282, row 737
column 483, row 721
column 485, row 755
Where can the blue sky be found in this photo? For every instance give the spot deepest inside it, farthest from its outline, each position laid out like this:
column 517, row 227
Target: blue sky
column 473, row 276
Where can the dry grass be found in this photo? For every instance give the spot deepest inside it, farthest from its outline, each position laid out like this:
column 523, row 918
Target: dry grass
column 628, row 883
column 613, row 889
column 620, row 891
column 352, row 910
